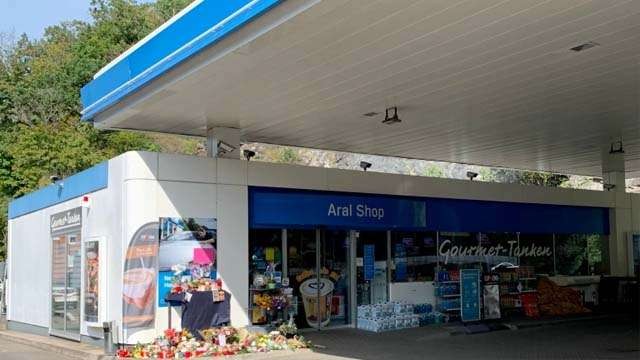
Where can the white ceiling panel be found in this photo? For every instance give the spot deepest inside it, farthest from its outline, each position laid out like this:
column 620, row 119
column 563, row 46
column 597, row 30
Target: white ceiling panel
column 490, row 82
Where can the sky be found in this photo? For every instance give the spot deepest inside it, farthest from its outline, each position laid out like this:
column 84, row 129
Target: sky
column 33, row 16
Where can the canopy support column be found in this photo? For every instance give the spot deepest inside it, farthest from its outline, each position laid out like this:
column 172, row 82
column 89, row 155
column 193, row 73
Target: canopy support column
column 620, row 217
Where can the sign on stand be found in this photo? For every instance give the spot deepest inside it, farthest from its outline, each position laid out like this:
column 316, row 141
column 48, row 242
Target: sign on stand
column 470, row 294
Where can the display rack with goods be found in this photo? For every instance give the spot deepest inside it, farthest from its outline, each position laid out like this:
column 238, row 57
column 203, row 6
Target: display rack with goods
column 514, row 284
column 447, row 291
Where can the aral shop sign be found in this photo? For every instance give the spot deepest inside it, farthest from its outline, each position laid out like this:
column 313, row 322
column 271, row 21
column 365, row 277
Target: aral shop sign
column 512, row 249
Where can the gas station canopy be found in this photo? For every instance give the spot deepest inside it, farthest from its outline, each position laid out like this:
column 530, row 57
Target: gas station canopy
column 542, row 85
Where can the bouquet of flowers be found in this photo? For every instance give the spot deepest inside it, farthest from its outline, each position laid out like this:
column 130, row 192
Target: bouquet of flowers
column 278, row 302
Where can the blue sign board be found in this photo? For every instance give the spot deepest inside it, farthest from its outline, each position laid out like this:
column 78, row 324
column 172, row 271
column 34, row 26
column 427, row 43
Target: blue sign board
column 165, row 281
column 295, row 208
column 470, row 294
column 271, row 207
column 369, row 262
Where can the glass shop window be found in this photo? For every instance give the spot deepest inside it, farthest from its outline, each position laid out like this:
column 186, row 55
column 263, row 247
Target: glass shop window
column 536, row 250
column 579, row 254
column 265, row 252
column 498, row 248
column 414, row 256
column 459, row 250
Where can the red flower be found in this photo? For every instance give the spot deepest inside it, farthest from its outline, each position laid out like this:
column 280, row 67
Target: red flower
column 123, row 353
column 170, row 333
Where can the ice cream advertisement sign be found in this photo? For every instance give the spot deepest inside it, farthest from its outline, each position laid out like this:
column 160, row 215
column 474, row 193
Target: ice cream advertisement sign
column 139, row 285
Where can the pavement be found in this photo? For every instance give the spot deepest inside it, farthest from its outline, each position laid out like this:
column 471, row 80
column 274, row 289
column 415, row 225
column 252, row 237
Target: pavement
column 601, row 338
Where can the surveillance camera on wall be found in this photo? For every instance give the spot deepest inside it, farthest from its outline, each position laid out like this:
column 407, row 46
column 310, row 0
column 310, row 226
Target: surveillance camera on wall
column 609, row 187
column 248, row 154
column 365, row 165
column 224, row 148
column 54, row 178
column 472, row 175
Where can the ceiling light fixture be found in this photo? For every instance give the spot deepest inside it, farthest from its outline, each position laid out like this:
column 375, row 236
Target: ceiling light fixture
column 391, row 119
column 616, row 150
column 586, row 46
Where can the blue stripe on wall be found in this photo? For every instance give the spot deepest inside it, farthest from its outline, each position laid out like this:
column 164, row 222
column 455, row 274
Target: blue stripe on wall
column 84, row 182
column 275, row 207
column 191, row 33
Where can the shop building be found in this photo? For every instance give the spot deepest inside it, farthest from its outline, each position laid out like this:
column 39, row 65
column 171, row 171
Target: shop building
column 372, row 237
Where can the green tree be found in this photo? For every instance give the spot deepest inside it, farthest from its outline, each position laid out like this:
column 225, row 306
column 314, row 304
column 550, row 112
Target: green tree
column 40, row 79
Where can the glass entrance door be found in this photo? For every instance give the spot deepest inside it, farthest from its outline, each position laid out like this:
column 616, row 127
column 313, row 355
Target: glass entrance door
column 318, row 268
column 335, row 273
column 65, row 285
column 371, row 267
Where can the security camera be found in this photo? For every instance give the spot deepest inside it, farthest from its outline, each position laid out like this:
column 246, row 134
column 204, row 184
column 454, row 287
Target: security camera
column 248, row 154
column 609, row 187
column 365, row 165
column 472, row 175
column 224, row 148
column 54, row 178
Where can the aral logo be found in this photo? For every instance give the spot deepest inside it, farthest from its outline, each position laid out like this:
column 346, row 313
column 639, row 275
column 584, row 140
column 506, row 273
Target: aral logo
column 361, row 211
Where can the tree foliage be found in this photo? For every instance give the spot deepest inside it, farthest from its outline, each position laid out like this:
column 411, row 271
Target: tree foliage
column 40, row 79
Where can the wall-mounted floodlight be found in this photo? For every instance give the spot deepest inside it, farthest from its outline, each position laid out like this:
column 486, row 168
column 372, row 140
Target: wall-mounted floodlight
column 365, row 165
column 472, row 175
column 248, row 154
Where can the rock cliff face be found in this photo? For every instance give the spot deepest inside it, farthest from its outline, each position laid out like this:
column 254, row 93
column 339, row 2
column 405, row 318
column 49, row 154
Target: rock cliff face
column 395, row 165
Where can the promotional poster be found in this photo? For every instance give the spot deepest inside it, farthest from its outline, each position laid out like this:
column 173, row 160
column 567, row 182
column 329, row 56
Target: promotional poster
column 139, row 286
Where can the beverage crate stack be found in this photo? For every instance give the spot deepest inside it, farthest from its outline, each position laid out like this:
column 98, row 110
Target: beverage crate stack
column 395, row 316
column 387, row 316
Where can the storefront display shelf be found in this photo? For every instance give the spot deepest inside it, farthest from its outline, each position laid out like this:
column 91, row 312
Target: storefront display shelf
column 265, row 289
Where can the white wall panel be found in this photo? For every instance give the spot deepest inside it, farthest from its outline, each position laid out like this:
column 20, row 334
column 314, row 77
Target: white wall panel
column 140, row 165
column 186, row 168
column 232, row 172
column 367, row 182
column 233, row 248
column 30, row 270
column 292, row 176
column 140, row 201
column 186, row 199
